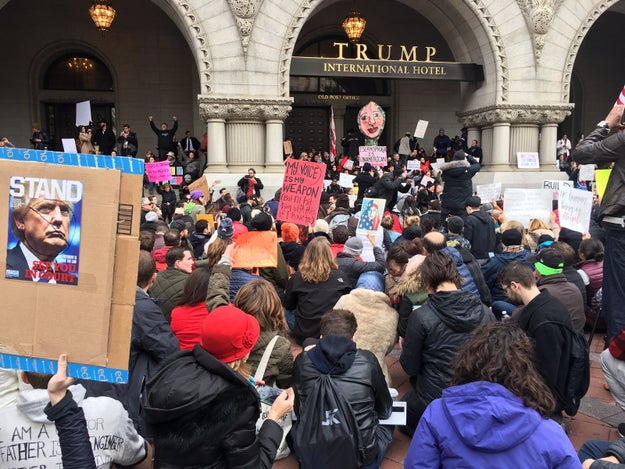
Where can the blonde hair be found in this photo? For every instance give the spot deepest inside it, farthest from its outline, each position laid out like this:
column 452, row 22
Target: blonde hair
column 537, row 224
column 317, row 261
column 259, row 299
column 240, row 366
column 412, row 220
column 515, row 225
column 215, row 250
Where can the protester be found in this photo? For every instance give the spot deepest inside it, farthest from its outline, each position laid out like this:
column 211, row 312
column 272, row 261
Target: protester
column 457, row 177
column 479, row 230
column 348, row 260
column 169, row 284
column 250, row 185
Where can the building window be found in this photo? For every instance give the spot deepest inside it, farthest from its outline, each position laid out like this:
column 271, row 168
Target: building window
column 78, row 72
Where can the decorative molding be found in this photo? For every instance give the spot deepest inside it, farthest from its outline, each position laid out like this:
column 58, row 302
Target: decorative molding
column 245, row 109
column 577, row 42
column 203, row 54
column 515, row 114
column 245, row 12
column 539, row 16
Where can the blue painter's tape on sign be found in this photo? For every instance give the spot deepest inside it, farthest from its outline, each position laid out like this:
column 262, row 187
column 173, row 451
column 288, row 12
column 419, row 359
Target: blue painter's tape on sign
column 123, row 163
column 75, row 370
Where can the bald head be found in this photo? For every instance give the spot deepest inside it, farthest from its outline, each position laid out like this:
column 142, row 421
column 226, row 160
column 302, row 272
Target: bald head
column 434, row 241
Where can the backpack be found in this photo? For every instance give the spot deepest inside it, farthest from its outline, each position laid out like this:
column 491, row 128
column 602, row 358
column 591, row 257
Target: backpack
column 326, row 433
column 340, row 219
column 373, row 191
column 578, row 374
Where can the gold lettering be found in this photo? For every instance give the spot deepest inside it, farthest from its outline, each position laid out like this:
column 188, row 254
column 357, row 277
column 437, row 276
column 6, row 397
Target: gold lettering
column 352, row 68
column 430, row 52
column 388, row 51
column 361, row 52
column 408, row 56
column 341, row 45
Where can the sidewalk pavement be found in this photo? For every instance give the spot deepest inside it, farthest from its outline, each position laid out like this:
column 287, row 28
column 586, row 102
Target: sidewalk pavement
column 597, row 418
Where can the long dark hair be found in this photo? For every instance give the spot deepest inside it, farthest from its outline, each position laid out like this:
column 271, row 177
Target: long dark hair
column 502, row 353
column 195, row 287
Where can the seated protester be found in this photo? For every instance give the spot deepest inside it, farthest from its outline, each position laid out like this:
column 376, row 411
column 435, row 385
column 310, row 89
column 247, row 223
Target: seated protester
column 496, row 412
column 69, row 409
column 151, row 222
column 341, row 215
column 259, row 299
column 357, row 376
column 334, row 188
column 431, row 220
column 455, row 225
column 396, row 262
column 196, row 205
column 590, row 268
column 199, row 238
column 570, row 271
column 204, row 290
column 313, row 289
column 538, row 228
column 291, row 248
column 409, row 233
column 235, row 215
column 479, row 230
column 613, row 365
column 169, row 284
column 436, row 333
column 390, row 235
column 602, row 454
column 202, row 408
column 171, row 238
column 340, row 235
column 219, row 242
column 320, row 229
column 377, row 318
column 352, row 267
column 146, row 241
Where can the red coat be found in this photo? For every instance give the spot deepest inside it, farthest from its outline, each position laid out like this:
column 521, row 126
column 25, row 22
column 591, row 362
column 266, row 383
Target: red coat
column 186, row 323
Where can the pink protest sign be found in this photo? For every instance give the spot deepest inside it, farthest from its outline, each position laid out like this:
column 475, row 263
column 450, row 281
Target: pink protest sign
column 301, row 191
column 158, row 172
column 376, row 156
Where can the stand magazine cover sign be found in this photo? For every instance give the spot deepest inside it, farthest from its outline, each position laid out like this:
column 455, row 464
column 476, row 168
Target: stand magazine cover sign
column 43, row 241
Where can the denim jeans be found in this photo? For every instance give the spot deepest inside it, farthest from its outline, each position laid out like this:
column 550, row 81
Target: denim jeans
column 613, row 306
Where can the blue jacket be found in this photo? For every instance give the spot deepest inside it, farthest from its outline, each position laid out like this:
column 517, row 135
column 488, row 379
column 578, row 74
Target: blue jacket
column 495, row 265
column 469, row 284
column 482, row 424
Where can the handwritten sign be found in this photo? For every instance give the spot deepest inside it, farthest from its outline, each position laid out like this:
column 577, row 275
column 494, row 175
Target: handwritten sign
column 586, row 172
column 376, row 156
column 527, row 160
column 301, row 191
column 602, row 176
column 255, row 249
column 158, row 171
column 346, row 180
column 419, row 131
column 574, row 207
column 425, row 180
column 201, row 184
column 524, row 204
column 555, row 185
column 489, row 192
column 413, row 165
column 349, row 165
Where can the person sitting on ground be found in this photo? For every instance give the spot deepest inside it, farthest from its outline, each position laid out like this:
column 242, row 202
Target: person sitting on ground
column 235, row 215
column 537, row 228
column 201, row 406
column 171, row 238
column 601, row 454
column 495, row 413
column 455, row 226
column 291, row 247
column 590, row 267
column 341, row 215
column 352, row 267
column 340, row 235
column 435, row 334
column 199, row 238
column 479, row 230
column 260, row 299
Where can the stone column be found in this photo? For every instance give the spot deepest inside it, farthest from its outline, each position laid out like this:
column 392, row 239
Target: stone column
column 547, row 149
column 523, row 138
column 216, row 146
column 275, row 112
column 501, row 144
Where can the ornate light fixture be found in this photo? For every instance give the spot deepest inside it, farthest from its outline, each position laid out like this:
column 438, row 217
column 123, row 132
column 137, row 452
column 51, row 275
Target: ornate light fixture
column 354, row 25
column 102, row 14
column 79, row 64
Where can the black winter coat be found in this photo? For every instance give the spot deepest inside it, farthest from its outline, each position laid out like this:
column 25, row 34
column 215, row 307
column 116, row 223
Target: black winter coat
column 457, row 176
column 479, row 230
column 203, row 416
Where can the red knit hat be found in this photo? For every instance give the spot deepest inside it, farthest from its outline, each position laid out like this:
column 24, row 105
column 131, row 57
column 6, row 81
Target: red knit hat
column 229, row 334
column 290, row 232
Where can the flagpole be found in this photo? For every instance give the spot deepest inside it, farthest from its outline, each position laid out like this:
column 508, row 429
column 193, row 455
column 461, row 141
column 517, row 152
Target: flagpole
column 332, row 135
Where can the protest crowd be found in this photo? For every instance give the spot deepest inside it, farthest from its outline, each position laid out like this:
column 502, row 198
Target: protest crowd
column 262, row 321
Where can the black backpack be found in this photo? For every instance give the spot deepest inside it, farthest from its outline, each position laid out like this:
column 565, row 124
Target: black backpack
column 578, row 375
column 326, row 433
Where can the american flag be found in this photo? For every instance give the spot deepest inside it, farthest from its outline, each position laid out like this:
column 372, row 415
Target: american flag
column 332, row 135
column 620, row 100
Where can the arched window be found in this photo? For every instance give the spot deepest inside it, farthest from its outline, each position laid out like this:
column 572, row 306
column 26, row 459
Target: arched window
column 78, row 72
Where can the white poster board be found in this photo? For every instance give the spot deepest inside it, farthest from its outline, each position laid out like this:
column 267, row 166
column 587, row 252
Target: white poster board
column 524, row 204
column 556, row 184
column 345, row 180
column 413, row 165
column 488, row 192
column 437, row 166
column 424, row 181
column 69, row 145
column 527, row 160
column 586, row 172
column 83, row 113
column 326, row 183
column 574, row 207
column 419, row 131
column 349, row 165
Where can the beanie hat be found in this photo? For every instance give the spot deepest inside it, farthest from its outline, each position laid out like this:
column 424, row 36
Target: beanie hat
column 548, row 262
column 455, row 225
column 366, row 167
column 321, row 226
column 342, row 201
column 290, row 232
column 474, row 202
column 544, row 241
column 196, row 195
column 225, row 230
column 262, row 222
column 411, row 232
column 229, row 334
column 459, row 155
column 151, row 216
column 178, row 225
column 371, row 281
column 353, row 246
column 511, row 237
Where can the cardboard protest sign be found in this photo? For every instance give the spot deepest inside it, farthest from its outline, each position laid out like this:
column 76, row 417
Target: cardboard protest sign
column 345, row 180
column 527, row 160
column 523, row 205
column 201, row 184
column 288, row 147
column 301, row 191
column 488, row 192
column 586, row 172
column 574, row 207
column 370, row 215
column 376, row 156
column 255, row 249
column 208, row 217
column 601, row 177
column 419, row 131
column 159, row 171
column 413, row 165
column 44, row 230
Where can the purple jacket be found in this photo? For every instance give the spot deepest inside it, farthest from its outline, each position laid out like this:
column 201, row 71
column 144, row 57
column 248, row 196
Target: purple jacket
column 482, row 424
